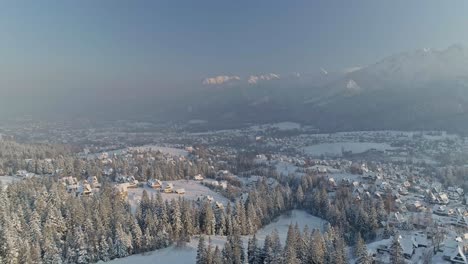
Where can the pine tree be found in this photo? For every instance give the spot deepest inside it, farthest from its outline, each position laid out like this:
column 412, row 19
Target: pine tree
column 217, row 257
column 253, row 251
column 289, row 255
column 209, row 252
column 274, row 252
column 104, row 249
column 360, row 251
column 201, row 251
column 396, row 251
column 317, row 249
column 121, row 243
column 233, row 252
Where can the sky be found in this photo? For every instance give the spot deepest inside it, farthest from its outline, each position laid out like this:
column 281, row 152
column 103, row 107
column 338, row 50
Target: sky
column 91, row 50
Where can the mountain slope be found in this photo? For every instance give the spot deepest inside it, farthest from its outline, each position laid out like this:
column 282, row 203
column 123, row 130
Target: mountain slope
column 422, row 89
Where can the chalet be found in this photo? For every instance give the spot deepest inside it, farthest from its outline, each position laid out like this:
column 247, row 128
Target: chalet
column 440, row 210
column 169, row 188
column 403, row 191
column 421, row 240
column 121, row 179
column 121, row 189
column 133, row 183
column 108, row 171
column 219, row 205
column 24, row 174
column 396, row 219
column 206, row 198
column 408, row 246
column 180, row 191
column 346, row 182
column 415, row 206
column 223, row 173
column 198, row 177
column 454, row 253
column 461, row 221
column 155, row 184
column 68, row 181
column 84, row 189
column 332, row 186
column 72, row 188
column 93, row 181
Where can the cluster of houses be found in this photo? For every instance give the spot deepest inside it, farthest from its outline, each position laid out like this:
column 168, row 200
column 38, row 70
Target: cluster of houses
column 210, row 199
column 81, row 188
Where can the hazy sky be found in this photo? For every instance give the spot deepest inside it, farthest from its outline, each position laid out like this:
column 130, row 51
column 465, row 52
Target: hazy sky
column 79, row 47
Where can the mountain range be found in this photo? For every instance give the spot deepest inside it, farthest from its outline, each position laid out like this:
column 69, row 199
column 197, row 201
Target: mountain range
column 421, row 89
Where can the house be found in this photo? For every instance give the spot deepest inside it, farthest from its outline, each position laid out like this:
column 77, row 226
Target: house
column 219, row 205
column 332, row 186
column 93, row 181
column 421, row 240
column 403, row 191
column 133, row 183
column 169, row 188
column 440, row 210
column 68, row 181
column 395, row 219
column 415, row 206
column 206, row 198
column 155, row 184
column 121, row 189
column 454, row 253
column 84, row 189
column 72, row 188
column 408, row 246
column 461, row 221
column 198, row 177
column 24, row 174
column 180, row 191
column 458, row 256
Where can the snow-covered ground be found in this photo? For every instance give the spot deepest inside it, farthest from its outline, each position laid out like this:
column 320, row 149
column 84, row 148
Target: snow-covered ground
column 5, row 180
column 285, row 168
column 164, row 150
column 284, row 126
column 193, row 190
column 342, row 175
column 189, row 253
column 282, row 223
column 335, row 149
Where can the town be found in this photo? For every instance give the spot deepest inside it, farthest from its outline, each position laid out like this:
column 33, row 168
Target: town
column 413, row 175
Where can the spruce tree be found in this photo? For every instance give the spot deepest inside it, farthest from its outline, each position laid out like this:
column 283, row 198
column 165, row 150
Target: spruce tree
column 396, row 251
column 201, row 251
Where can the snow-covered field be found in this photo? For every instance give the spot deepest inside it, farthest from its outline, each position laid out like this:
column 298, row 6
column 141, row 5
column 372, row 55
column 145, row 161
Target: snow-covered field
column 189, row 253
column 282, row 223
column 5, row 180
column 165, row 150
column 284, row 126
column 285, row 168
column 193, row 190
column 335, row 149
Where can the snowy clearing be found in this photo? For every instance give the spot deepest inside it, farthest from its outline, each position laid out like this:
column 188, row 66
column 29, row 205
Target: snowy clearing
column 282, row 223
column 164, row 150
column 335, row 149
column 5, row 180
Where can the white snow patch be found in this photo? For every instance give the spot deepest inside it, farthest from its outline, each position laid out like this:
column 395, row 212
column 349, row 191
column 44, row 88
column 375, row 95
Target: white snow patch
column 335, row 149
column 5, row 180
column 164, row 150
column 282, row 223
